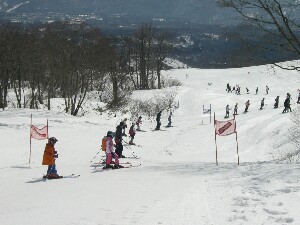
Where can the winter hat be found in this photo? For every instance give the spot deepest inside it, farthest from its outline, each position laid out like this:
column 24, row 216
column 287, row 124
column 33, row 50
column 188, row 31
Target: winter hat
column 110, row 134
column 52, row 140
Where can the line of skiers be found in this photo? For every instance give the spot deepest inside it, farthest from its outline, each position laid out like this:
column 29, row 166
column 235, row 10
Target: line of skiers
column 287, row 105
column 237, row 89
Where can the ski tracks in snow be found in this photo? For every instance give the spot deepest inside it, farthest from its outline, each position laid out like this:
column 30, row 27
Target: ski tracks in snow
column 189, row 206
column 264, row 201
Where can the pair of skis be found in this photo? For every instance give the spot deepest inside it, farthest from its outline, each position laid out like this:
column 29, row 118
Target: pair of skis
column 61, row 177
column 124, row 167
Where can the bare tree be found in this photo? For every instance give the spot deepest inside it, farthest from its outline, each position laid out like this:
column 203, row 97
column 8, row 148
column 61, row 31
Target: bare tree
column 161, row 51
column 278, row 18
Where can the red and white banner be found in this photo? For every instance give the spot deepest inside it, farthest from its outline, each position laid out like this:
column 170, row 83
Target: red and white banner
column 38, row 134
column 224, row 128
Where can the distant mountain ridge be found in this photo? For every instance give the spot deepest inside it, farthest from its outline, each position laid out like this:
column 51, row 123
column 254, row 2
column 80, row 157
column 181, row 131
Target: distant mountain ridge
column 191, row 11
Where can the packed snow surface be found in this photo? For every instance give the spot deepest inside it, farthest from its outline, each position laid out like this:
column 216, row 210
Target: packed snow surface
column 178, row 182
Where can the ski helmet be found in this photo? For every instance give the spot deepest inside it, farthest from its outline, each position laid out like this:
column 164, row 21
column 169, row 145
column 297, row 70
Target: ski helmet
column 110, row 134
column 52, row 140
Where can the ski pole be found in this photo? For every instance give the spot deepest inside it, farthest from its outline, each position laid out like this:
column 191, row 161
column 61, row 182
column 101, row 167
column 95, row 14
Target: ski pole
column 134, row 155
column 95, row 156
column 132, row 152
column 128, row 147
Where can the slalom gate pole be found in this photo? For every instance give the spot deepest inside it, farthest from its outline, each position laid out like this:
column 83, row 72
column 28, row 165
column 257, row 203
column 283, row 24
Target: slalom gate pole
column 209, row 113
column 216, row 139
column 237, row 144
column 30, row 138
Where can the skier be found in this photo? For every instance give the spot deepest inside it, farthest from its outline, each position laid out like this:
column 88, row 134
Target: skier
column 247, row 106
column 228, row 88
column 298, row 102
column 110, row 153
column 235, row 109
column 256, row 91
column 287, row 104
column 267, row 89
column 118, row 140
column 158, row 123
column 238, row 90
column 276, row 102
column 262, row 103
column 138, row 122
column 247, row 90
column 227, row 111
column 170, row 120
column 132, row 132
column 124, row 126
column 49, row 159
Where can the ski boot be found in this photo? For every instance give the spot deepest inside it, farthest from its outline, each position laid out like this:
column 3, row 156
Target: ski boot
column 108, row 166
column 52, row 176
column 117, row 166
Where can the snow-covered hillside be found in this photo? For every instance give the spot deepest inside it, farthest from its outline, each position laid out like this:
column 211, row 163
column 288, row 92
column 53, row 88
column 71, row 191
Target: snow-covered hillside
column 178, row 182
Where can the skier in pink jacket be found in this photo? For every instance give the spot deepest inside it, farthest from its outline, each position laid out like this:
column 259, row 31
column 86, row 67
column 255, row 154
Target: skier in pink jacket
column 110, row 152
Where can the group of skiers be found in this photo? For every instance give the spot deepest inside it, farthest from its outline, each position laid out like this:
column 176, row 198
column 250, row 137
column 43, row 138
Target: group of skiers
column 112, row 144
column 237, row 89
column 120, row 132
column 287, row 105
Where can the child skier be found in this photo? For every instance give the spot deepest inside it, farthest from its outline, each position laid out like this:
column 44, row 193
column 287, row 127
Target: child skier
column 158, row 123
column 238, row 90
column 110, row 153
column 267, row 89
column 262, row 103
column 138, row 123
column 228, row 88
column 276, row 102
column 247, row 104
column 235, row 109
column 49, row 159
column 247, row 90
column 227, row 111
column 287, row 104
column 170, row 120
column 132, row 132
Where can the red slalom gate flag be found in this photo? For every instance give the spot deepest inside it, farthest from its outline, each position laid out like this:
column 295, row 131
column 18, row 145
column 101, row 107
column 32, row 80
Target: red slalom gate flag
column 224, row 128
column 37, row 133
